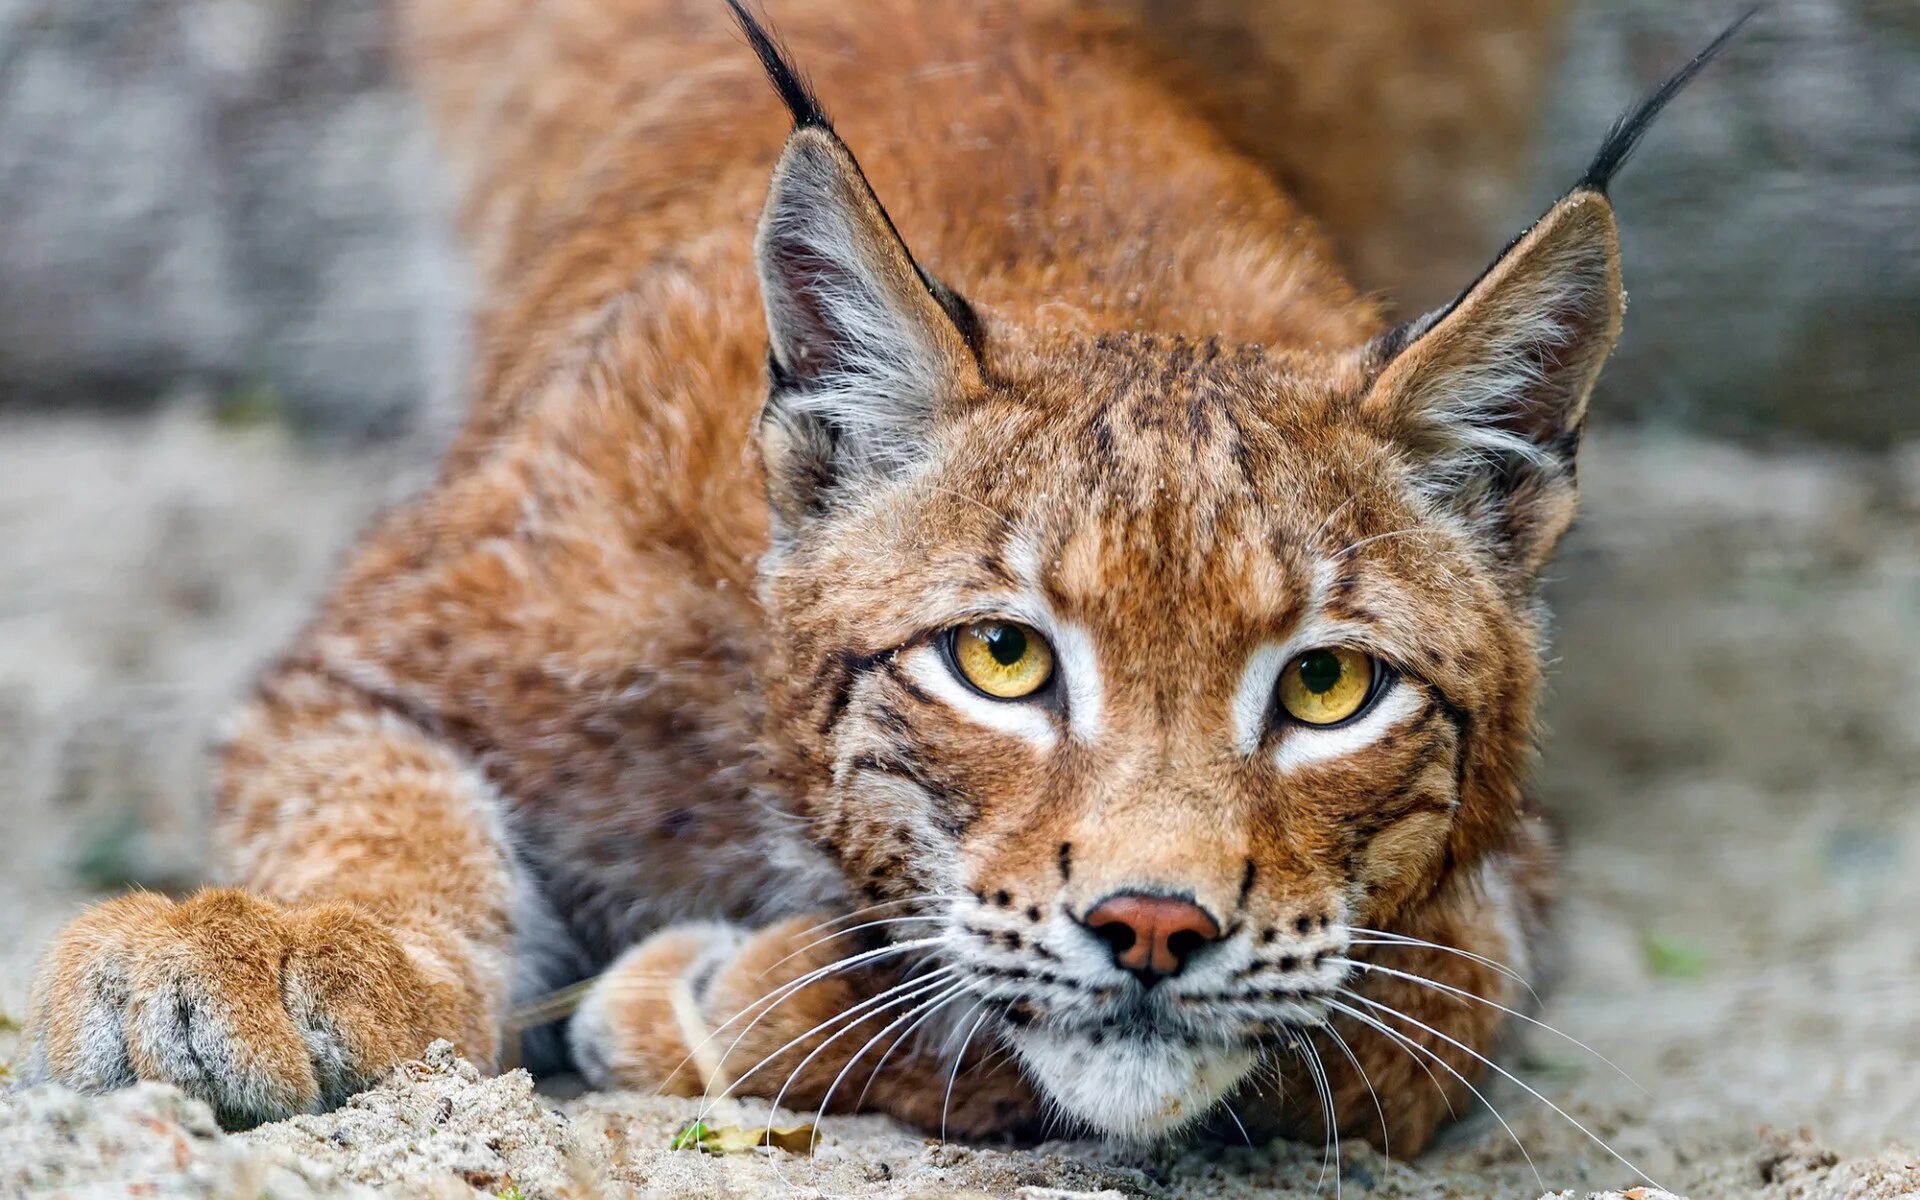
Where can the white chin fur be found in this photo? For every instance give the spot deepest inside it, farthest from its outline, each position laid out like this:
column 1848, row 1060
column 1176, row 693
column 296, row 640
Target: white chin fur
column 1130, row 1087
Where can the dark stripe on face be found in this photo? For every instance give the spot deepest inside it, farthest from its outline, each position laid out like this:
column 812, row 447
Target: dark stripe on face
column 1100, row 431
column 892, row 668
column 996, row 568
column 1407, row 802
column 1237, row 444
column 953, row 811
column 1462, row 722
column 845, row 668
column 1407, row 796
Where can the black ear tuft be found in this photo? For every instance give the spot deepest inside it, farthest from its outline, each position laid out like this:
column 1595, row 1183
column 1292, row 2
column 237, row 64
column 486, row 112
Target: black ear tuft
column 1628, row 128
column 793, row 88
column 1622, row 138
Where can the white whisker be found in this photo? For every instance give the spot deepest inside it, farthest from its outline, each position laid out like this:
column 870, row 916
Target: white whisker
column 1508, row 1075
column 1235, row 1118
column 1380, row 1111
column 1380, row 937
column 864, row 909
column 865, row 1010
column 1415, row 1050
column 884, row 1000
column 947, row 1104
column 766, row 1004
column 1350, row 547
column 945, row 999
column 1330, row 1136
column 915, row 1011
column 840, row 933
column 1464, row 995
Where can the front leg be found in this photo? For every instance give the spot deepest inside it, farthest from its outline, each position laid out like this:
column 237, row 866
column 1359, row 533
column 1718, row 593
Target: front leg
column 372, row 917
column 709, row 1009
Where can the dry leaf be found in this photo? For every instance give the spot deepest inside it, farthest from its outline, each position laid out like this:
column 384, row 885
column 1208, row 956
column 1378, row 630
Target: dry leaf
column 733, row 1139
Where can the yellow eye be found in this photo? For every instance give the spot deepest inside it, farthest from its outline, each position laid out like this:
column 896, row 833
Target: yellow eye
column 1003, row 659
column 1325, row 687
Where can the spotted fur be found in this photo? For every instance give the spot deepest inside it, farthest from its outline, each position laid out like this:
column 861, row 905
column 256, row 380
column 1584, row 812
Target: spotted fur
column 653, row 679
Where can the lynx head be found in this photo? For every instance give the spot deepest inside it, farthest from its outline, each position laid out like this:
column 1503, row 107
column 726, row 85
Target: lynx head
column 1136, row 674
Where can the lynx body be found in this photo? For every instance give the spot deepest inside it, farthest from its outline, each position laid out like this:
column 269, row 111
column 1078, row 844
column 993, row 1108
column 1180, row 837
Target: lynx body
column 1058, row 616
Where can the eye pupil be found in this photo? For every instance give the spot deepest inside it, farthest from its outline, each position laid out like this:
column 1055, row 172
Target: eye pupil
column 1004, row 659
column 1006, row 643
column 1320, row 671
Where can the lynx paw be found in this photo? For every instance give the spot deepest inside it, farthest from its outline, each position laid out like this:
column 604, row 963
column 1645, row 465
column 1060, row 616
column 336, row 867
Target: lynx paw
column 709, row 1010
column 627, row 1033
column 261, row 1010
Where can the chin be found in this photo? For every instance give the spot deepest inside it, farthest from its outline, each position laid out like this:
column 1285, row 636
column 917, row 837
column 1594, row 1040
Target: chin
column 1134, row 1087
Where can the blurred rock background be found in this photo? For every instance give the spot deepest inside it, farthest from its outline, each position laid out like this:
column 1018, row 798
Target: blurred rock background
column 1771, row 223
column 239, row 194
column 234, row 195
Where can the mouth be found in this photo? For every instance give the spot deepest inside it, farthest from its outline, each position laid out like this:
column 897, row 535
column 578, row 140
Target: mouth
column 1137, row 1050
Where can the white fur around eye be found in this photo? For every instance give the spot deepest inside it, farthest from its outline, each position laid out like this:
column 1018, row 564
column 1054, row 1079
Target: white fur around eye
column 927, row 667
column 1253, row 699
column 1080, row 675
column 1301, row 744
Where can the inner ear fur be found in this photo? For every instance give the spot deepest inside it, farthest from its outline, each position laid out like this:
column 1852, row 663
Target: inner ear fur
column 843, row 293
column 1488, row 396
column 863, row 344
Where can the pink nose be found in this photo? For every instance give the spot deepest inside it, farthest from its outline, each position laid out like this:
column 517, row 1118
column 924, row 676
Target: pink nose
column 1151, row 936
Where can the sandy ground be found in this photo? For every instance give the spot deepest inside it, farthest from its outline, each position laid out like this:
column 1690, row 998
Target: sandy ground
column 1735, row 755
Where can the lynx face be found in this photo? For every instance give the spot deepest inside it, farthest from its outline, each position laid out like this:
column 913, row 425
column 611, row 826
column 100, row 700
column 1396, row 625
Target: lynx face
column 1135, row 674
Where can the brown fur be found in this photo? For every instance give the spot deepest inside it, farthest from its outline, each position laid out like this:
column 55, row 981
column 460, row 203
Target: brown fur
column 585, row 689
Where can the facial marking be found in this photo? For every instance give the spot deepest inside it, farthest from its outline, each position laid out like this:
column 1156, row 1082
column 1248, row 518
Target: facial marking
column 1253, row 697
column 1080, row 674
column 1302, row 745
column 927, row 666
column 1403, row 849
column 1076, row 663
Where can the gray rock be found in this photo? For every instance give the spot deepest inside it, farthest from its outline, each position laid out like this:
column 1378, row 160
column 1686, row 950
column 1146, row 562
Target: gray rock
column 435, row 1127
column 238, row 193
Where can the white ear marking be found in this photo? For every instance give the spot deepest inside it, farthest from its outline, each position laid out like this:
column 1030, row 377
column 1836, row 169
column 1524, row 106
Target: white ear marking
column 1468, row 414
column 1493, row 389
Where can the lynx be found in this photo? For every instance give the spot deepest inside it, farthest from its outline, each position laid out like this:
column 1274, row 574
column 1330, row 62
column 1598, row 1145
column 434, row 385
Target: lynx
column 1066, row 620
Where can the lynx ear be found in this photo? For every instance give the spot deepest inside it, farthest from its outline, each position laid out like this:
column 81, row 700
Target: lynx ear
column 863, row 345
column 1488, row 396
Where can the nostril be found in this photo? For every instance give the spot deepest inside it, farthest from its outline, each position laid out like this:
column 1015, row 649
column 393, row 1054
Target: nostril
column 1183, row 943
column 1118, row 935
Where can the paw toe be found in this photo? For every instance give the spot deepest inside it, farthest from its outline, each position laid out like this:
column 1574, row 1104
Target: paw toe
column 142, row 988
